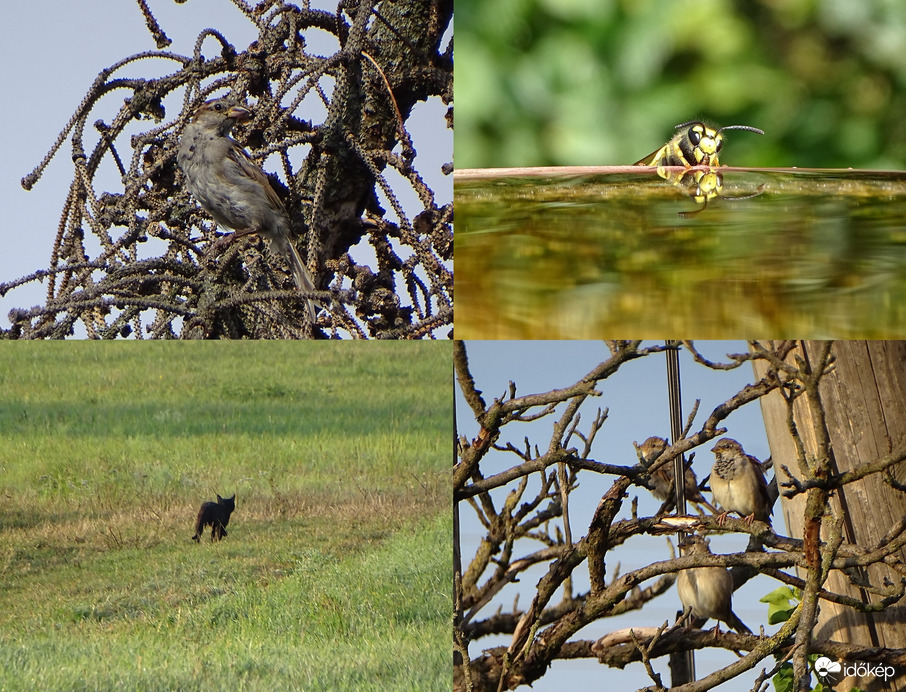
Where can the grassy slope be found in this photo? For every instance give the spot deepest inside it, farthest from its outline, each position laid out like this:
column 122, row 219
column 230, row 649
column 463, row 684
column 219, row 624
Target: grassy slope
column 336, row 570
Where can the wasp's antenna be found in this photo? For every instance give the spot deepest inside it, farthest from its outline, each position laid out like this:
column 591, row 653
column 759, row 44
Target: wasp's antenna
column 691, row 122
column 690, row 214
column 741, row 127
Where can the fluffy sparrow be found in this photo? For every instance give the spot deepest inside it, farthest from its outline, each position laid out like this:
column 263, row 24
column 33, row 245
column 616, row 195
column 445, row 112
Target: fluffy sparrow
column 738, row 484
column 708, row 590
column 663, row 485
column 231, row 188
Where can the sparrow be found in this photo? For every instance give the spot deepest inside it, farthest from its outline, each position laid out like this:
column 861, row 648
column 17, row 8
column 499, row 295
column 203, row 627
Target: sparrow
column 232, row 189
column 662, row 479
column 708, row 591
column 738, row 483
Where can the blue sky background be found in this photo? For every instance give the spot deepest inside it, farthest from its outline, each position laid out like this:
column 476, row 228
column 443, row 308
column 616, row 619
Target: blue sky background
column 58, row 51
column 638, row 407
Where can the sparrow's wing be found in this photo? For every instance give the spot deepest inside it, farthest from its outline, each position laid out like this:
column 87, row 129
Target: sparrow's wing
column 244, row 167
column 763, row 491
column 246, row 170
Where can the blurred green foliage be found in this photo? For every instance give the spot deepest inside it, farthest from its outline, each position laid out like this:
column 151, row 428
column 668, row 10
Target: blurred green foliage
column 583, row 82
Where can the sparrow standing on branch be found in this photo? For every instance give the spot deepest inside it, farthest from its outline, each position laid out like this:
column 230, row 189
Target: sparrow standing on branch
column 738, row 484
column 232, row 189
column 708, row 590
column 662, row 480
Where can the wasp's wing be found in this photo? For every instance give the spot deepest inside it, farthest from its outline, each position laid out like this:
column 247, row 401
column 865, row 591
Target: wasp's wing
column 654, row 158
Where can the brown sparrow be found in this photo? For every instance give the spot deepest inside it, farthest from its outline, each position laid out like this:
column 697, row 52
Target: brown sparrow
column 231, row 188
column 738, row 484
column 663, row 485
column 708, row 590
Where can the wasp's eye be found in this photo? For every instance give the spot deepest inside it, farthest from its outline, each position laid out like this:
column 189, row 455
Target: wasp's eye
column 695, row 136
column 720, row 143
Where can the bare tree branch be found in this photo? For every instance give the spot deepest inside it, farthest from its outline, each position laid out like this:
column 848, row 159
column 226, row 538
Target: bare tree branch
column 545, row 630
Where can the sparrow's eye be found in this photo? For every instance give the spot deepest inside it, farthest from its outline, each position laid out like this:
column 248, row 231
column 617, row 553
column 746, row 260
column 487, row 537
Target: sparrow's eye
column 218, row 106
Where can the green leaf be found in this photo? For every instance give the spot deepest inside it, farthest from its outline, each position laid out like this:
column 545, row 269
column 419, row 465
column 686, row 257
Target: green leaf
column 783, row 679
column 782, row 602
column 782, row 594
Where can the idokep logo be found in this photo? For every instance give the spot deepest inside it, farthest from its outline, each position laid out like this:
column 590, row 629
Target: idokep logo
column 828, row 670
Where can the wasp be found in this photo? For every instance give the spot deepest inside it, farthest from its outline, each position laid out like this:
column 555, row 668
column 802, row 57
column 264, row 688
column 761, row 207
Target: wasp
column 696, row 145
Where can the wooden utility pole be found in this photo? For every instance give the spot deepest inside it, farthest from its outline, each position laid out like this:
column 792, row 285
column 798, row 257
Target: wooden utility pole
column 864, row 403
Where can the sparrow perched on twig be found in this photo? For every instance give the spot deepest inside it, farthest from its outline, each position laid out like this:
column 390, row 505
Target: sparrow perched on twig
column 708, row 590
column 232, row 189
column 662, row 480
column 738, row 483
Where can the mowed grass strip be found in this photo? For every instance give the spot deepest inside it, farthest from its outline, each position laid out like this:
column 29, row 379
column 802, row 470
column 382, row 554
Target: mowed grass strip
column 337, row 568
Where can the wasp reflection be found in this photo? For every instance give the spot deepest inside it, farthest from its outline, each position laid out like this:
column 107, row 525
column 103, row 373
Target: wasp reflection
column 703, row 184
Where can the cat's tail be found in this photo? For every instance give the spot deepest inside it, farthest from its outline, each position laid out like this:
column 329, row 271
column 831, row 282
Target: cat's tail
column 199, row 525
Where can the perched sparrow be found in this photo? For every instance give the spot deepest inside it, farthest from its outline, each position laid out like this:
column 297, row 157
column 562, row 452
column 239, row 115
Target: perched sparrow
column 231, row 188
column 708, row 590
column 663, row 485
column 738, row 484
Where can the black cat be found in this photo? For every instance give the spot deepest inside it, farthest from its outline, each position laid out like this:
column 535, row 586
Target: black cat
column 217, row 514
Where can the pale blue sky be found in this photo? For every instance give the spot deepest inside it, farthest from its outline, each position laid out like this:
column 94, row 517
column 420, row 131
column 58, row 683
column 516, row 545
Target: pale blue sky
column 637, row 401
column 59, row 48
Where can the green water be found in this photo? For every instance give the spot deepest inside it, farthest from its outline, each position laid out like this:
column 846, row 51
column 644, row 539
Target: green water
column 815, row 254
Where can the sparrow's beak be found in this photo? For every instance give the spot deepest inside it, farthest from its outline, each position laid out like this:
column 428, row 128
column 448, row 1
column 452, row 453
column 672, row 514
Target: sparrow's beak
column 239, row 114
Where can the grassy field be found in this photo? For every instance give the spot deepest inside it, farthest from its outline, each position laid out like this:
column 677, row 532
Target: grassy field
column 336, row 573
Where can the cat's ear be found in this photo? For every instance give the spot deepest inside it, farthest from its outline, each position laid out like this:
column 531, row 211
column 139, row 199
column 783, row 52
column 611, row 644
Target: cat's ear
column 232, row 498
column 219, row 499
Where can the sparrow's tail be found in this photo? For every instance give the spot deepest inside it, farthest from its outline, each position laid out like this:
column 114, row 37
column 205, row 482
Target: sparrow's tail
column 301, row 276
column 733, row 621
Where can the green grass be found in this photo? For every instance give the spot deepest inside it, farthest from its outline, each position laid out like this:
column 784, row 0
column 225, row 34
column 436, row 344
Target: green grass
column 336, row 572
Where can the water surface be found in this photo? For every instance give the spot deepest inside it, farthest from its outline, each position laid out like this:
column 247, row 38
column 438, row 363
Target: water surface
column 551, row 254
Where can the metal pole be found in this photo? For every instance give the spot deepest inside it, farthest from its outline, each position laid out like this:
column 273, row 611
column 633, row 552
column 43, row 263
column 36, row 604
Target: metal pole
column 679, row 464
column 676, row 425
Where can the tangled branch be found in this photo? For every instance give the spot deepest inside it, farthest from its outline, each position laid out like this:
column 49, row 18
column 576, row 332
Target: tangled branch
column 137, row 260
column 545, row 629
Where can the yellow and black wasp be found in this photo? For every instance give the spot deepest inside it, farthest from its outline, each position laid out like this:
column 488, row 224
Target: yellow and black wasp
column 695, row 144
